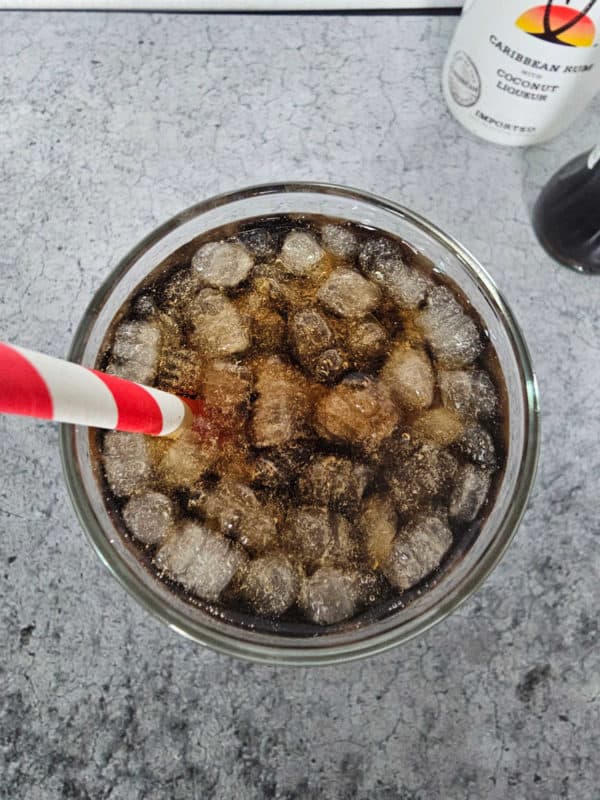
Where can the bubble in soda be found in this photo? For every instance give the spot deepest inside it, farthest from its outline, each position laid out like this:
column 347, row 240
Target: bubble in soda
column 361, row 424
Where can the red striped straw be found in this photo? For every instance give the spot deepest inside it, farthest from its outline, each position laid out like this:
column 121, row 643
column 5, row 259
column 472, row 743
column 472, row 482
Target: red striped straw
column 35, row 385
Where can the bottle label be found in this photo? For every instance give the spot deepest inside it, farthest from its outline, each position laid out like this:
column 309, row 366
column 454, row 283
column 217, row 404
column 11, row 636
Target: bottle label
column 464, row 81
column 562, row 25
column 519, row 68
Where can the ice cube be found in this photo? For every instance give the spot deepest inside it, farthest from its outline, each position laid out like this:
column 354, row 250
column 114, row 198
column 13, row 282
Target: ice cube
column 329, row 596
column 279, row 412
column 300, row 253
column 269, row 584
column 135, row 351
column 406, row 286
column 272, row 291
column 259, row 241
column 238, row 513
column 185, row 460
column 470, row 491
column 226, row 386
column 373, row 251
column 284, row 296
column 329, row 366
column 267, row 326
column 439, row 425
column 269, row 473
column 452, row 335
column 127, row 463
column 181, row 372
column 383, row 261
column 416, row 552
column 347, row 294
column 366, row 342
column 340, row 241
column 409, row 375
column 222, row 264
column 217, row 328
column 336, row 482
column 317, row 536
column 149, row 516
column 422, row 477
column 378, row 523
column 144, row 306
column 277, row 469
column 309, row 334
column 358, row 411
column 476, row 444
column 311, row 339
column 468, row 393
column 203, row 561
column 395, row 450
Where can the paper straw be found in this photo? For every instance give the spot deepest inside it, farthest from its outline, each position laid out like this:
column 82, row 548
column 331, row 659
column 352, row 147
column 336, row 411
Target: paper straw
column 36, row 385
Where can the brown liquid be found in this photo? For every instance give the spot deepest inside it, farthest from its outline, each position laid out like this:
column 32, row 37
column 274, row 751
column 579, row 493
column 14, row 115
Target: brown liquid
column 267, row 299
column 565, row 217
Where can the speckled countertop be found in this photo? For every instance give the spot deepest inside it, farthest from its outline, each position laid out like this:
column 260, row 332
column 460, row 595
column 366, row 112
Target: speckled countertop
column 109, row 125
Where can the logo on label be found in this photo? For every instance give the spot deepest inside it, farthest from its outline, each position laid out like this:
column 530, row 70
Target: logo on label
column 559, row 24
column 463, row 80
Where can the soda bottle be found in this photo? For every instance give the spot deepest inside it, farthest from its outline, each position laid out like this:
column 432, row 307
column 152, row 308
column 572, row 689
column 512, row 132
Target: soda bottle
column 566, row 216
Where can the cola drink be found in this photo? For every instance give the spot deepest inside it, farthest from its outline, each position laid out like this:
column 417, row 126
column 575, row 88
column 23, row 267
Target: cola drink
column 566, row 219
column 355, row 432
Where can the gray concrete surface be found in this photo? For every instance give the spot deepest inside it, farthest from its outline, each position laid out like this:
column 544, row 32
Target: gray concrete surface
column 110, row 124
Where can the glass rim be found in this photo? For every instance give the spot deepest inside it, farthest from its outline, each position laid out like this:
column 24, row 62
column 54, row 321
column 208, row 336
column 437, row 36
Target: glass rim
column 318, row 651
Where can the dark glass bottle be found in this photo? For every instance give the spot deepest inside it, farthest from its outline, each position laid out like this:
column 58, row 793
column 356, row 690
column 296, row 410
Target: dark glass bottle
column 566, row 217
